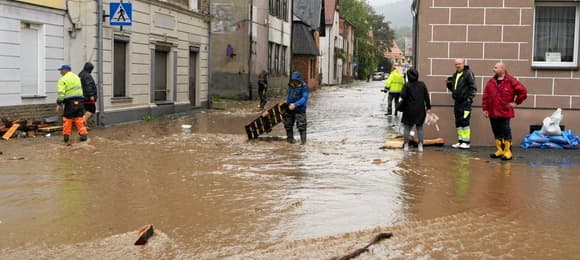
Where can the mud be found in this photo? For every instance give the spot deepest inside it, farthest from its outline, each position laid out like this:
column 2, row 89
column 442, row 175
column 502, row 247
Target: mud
column 212, row 194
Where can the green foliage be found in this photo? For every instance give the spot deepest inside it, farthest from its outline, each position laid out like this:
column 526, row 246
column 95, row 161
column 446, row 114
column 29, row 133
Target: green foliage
column 369, row 50
column 147, row 118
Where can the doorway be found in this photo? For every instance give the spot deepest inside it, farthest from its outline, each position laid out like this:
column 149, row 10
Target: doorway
column 193, row 54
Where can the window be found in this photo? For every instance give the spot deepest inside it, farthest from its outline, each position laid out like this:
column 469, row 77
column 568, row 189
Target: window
column 29, row 60
column 276, row 58
column 283, row 60
column 271, row 7
column 556, row 35
column 194, row 5
column 119, row 68
column 270, row 59
column 284, row 11
column 161, row 73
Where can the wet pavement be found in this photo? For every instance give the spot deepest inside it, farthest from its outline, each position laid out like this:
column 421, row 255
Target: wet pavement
column 212, row 194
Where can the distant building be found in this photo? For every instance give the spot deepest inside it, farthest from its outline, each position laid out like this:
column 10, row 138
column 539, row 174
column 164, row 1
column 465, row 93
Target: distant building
column 307, row 27
column 347, row 49
column 245, row 41
column 331, row 66
column 537, row 40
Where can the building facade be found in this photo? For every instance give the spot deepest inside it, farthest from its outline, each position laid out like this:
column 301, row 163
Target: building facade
column 346, row 30
column 537, row 40
column 32, row 44
column 330, row 65
column 247, row 37
column 158, row 65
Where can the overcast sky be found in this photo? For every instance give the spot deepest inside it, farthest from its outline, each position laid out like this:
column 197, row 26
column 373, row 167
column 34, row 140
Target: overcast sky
column 381, row 2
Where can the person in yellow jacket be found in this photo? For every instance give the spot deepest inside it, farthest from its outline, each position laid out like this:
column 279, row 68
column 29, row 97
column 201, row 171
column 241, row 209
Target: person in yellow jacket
column 70, row 94
column 394, row 85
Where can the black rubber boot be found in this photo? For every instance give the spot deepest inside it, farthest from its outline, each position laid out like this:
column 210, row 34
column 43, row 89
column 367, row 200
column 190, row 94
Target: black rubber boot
column 290, row 137
column 83, row 138
column 302, row 137
column 65, row 138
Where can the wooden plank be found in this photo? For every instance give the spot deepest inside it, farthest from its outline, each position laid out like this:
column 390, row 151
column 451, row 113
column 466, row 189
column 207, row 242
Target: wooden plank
column 50, row 129
column 249, row 131
column 144, row 234
column 10, row 131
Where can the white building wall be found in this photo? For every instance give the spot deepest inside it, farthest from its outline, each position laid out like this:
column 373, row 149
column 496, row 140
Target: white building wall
column 153, row 24
column 49, row 23
column 327, row 44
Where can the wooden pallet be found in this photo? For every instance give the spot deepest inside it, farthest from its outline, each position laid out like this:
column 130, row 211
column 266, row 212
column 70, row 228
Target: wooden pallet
column 266, row 120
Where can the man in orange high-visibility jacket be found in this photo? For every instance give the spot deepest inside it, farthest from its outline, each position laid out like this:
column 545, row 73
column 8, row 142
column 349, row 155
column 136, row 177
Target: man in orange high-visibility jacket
column 70, row 94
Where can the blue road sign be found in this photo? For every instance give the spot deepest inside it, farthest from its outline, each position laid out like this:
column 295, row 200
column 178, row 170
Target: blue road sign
column 121, row 14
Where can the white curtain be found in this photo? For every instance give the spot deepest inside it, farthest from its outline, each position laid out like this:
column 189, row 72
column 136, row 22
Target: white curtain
column 555, row 32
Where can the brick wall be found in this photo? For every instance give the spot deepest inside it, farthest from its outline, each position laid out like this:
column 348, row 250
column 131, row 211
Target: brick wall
column 485, row 32
column 27, row 111
column 301, row 63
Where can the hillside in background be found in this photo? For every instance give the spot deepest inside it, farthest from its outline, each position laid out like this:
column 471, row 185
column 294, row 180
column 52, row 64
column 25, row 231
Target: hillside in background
column 398, row 13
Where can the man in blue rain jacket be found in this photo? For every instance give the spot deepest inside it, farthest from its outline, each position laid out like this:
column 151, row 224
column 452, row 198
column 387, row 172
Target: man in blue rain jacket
column 297, row 98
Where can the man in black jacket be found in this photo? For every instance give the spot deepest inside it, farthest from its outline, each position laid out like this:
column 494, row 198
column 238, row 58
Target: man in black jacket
column 89, row 91
column 462, row 87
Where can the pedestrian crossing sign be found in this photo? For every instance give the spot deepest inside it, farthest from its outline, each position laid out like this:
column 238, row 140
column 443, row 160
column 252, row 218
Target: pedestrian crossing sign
column 121, row 14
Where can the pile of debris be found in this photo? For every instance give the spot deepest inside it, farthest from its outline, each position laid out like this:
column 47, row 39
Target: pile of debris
column 28, row 127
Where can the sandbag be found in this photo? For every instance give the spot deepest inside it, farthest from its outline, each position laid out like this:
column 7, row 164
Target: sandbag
column 551, row 124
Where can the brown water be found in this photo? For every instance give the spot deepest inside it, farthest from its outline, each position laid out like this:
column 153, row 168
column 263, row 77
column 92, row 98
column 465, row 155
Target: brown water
column 212, row 194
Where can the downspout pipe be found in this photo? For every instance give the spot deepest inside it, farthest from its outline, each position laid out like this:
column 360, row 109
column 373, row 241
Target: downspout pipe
column 251, row 41
column 100, row 102
column 209, row 60
column 415, row 13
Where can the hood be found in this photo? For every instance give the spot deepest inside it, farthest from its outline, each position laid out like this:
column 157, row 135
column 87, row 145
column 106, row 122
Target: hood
column 88, row 67
column 263, row 75
column 297, row 76
column 412, row 75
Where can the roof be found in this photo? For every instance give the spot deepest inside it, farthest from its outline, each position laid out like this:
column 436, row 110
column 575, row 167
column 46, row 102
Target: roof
column 329, row 9
column 303, row 42
column 308, row 12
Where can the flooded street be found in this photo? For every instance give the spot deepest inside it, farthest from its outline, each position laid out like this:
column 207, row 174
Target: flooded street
column 212, row 194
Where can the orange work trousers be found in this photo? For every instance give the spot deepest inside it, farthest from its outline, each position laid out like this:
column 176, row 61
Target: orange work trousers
column 79, row 123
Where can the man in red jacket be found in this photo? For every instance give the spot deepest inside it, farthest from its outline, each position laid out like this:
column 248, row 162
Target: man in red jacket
column 502, row 93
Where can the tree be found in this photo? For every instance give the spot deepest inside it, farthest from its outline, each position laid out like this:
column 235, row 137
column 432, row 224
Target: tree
column 373, row 34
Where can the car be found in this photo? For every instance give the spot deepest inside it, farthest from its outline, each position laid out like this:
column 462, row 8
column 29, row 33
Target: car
column 378, row 75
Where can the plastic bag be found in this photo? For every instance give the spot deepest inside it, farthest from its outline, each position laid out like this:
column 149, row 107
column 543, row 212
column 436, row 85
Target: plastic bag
column 551, row 124
column 431, row 119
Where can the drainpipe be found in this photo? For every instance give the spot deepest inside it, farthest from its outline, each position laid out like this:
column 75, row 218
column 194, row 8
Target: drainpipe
column 209, row 64
column 414, row 12
column 100, row 101
column 251, row 24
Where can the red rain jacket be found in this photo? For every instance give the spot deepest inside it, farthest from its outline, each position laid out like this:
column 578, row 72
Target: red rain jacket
column 496, row 98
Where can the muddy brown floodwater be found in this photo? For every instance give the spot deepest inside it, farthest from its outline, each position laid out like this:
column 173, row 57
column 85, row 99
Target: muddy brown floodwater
column 212, row 194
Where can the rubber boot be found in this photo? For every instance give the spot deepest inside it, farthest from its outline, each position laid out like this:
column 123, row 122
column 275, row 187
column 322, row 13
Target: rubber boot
column 507, row 155
column 290, row 136
column 83, row 138
column 406, row 147
column 420, row 147
column 66, row 138
column 302, row 137
column 500, row 149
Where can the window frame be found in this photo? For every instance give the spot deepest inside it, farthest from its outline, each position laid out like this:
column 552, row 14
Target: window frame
column 125, row 42
column 557, row 65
